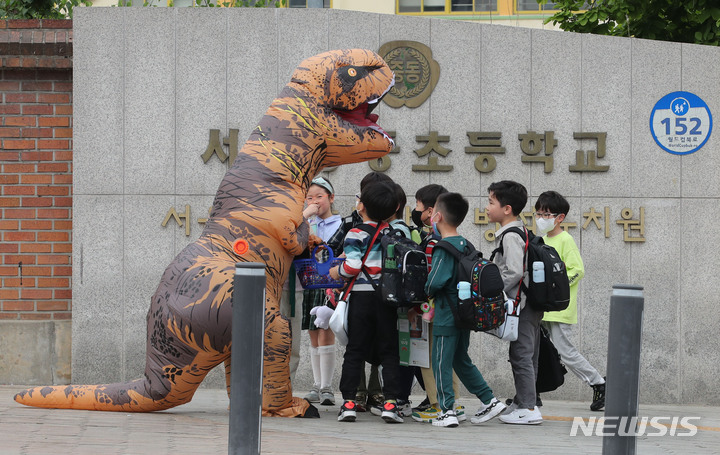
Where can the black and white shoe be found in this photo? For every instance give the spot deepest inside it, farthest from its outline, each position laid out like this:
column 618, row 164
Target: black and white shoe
column 488, row 412
column 446, row 419
column 347, row 412
column 390, row 413
column 598, row 397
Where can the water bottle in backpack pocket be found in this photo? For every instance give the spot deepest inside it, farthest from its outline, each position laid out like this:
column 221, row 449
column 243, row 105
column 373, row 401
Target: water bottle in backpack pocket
column 549, row 288
column 481, row 300
column 404, row 271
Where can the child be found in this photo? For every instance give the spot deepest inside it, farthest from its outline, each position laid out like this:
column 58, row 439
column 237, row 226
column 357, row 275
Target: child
column 425, row 199
column 450, row 344
column 369, row 391
column 372, row 324
column 323, row 223
column 505, row 202
column 551, row 208
column 407, row 373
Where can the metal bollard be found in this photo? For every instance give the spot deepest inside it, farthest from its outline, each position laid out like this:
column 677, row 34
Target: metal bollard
column 248, row 333
column 623, row 369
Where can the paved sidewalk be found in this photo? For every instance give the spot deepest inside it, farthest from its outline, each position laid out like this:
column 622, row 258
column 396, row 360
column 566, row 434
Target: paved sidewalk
column 201, row 427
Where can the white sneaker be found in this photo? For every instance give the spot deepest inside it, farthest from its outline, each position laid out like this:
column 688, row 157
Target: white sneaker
column 460, row 413
column 488, row 412
column 446, row 419
column 523, row 417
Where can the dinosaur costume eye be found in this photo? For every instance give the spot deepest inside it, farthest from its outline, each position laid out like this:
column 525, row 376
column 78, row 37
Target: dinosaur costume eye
column 350, row 74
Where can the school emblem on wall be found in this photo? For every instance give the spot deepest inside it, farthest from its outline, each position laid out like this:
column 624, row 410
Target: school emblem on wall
column 416, row 73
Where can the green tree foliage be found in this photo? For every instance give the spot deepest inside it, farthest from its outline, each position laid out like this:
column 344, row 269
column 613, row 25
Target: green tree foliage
column 686, row 21
column 39, row 9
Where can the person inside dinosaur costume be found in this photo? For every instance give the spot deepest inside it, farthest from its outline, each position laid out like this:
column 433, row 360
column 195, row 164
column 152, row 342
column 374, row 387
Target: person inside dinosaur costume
column 323, row 117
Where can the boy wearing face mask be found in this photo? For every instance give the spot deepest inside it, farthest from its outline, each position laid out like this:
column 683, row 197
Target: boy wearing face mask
column 551, row 208
column 450, row 344
column 425, row 199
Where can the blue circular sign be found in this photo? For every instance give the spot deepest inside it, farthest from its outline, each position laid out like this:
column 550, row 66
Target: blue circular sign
column 681, row 123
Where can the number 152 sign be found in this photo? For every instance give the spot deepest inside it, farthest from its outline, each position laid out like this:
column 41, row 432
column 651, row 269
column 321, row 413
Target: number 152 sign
column 680, row 123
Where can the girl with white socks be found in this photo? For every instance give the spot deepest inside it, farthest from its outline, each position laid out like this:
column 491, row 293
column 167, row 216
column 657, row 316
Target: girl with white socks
column 324, row 224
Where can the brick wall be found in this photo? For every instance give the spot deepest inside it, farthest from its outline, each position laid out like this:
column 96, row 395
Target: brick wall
column 36, row 174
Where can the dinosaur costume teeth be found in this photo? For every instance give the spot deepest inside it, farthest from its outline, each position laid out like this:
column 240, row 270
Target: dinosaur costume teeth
column 260, row 200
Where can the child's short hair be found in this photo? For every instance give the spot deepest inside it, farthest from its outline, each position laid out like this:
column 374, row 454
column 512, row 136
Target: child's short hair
column 511, row 193
column 428, row 194
column 372, row 177
column 553, row 202
column 453, row 207
column 378, row 205
column 401, row 198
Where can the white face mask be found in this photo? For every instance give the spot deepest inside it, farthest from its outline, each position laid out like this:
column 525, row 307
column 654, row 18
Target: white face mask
column 545, row 225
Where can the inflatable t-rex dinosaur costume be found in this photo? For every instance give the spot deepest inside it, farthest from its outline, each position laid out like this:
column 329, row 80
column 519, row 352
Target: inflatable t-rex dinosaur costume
column 321, row 118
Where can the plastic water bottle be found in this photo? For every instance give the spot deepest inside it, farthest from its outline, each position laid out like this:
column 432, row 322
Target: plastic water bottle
column 538, row 275
column 463, row 290
column 390, row 263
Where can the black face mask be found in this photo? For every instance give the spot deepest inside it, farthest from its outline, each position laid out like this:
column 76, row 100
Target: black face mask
column 416, row 216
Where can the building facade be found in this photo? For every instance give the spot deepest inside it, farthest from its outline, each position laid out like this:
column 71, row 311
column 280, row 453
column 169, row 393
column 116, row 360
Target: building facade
column 156, row 122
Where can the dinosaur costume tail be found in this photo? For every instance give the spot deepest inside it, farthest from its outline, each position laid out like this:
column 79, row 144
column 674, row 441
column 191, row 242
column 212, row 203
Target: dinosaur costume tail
column 124, row 396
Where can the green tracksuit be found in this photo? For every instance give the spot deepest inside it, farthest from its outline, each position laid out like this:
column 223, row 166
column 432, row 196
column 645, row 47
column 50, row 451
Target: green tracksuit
column 450, row 344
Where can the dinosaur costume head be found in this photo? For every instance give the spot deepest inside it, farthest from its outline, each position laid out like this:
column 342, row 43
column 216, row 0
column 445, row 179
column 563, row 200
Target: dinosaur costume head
column 323, row 117
column 346, row 86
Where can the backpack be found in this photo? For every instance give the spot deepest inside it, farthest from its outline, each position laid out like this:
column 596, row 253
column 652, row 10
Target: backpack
column 551, row 371
column 485, row 309
column 404, row 270
column 551, row 293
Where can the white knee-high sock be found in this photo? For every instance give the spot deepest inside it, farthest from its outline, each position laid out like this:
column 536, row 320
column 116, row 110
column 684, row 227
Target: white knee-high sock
column 315, row 362
column 327, row 365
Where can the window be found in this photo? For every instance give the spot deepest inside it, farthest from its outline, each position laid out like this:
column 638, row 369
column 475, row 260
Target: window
column 532, row 5
column 444, row 7
column 304, row 3
column 473, row 5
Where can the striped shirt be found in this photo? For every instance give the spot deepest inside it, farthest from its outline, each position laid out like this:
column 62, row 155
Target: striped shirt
column 356, row 244
column 430, row 241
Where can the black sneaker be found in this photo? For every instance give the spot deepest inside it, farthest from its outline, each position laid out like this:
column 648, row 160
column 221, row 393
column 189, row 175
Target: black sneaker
column 538, row 401
column 347, row 412
column 390, row 413
column 423, row 406
column 598, row 397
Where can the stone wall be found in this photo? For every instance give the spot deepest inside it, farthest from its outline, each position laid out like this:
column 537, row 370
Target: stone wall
column 152, row 83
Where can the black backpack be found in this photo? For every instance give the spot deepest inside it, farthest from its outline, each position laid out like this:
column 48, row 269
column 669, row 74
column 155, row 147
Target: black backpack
column 551, row 371
column 552, row 294
column 404, row 270
column 485, row 309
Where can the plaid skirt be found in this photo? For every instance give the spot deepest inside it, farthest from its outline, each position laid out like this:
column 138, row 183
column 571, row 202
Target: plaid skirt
column 311, row 298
